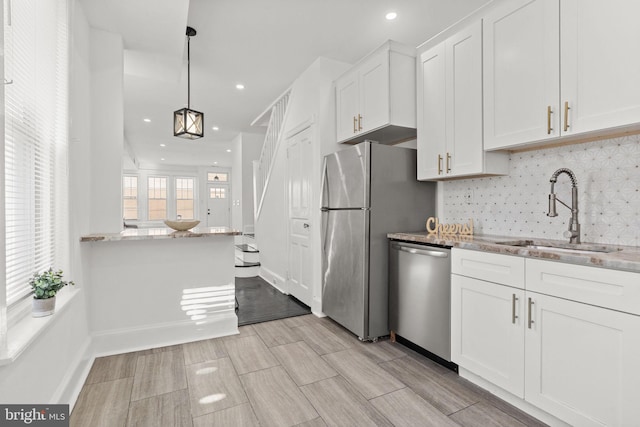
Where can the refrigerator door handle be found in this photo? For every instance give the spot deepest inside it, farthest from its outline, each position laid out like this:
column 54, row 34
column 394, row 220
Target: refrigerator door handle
column 323, row 186
column 436, row 254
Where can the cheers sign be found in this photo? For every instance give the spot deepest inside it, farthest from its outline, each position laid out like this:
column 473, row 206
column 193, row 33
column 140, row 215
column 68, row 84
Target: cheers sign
column 435, row 227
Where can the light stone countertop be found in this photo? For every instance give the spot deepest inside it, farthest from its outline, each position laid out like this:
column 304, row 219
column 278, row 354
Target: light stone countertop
column 159, row 234
column 622, row 258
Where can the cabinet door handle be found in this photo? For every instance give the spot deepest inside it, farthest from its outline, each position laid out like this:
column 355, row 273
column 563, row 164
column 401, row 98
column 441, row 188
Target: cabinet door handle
column 514, row 316
column 359, row 122
column 530, row 322
column 566, row 115
column 549, row 113
column 448, row 163
column 354, row 125
column 439, row 164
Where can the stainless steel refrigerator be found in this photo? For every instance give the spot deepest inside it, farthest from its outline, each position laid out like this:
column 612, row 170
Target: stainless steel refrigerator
column 368, row 190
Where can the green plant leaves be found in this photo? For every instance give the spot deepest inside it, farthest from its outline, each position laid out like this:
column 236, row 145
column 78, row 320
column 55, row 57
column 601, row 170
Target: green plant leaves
column 47, row 284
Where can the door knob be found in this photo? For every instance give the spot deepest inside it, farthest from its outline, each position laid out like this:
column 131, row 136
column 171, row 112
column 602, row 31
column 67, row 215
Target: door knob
column 208, row 211
column 305, row 225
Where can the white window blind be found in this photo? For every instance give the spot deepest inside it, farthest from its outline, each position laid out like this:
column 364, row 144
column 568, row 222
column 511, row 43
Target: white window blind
column 36, row 134
column 130, row 197
column 184, row 198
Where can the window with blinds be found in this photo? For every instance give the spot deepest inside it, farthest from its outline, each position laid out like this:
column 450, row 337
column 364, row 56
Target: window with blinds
column 157, row 200
column 36, row 134
column 130, row 197
column 184, row 198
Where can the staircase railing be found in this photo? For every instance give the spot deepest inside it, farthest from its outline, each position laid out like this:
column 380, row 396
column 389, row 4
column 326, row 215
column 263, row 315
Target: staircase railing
column 263, row 167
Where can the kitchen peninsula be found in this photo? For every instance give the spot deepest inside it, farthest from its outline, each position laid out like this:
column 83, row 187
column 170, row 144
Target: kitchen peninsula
column 157, row 287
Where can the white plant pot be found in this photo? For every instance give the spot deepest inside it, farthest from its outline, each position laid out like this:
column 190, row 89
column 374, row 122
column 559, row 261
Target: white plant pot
column 43, row 307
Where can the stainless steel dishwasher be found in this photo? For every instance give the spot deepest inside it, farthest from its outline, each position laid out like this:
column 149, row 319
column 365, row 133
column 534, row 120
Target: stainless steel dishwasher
column 420, row 296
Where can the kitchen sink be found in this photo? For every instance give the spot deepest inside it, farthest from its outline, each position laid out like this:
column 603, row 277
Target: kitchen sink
column 560, row 247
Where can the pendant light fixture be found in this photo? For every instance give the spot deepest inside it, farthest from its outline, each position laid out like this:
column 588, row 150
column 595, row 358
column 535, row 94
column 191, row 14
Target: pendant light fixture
column 188, row 123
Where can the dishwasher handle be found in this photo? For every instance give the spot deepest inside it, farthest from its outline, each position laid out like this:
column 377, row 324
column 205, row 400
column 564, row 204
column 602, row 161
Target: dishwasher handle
column 436, row 254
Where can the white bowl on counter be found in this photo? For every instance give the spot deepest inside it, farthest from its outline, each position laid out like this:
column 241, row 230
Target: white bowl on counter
column 181, row 224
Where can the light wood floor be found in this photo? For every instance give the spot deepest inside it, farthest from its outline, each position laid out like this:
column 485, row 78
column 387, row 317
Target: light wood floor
column 301, row 371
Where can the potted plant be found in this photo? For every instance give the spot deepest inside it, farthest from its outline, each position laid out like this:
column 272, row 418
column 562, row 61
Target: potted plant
column 45, row 287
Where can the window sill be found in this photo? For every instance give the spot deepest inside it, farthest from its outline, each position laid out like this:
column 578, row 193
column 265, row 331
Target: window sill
column 26, row 330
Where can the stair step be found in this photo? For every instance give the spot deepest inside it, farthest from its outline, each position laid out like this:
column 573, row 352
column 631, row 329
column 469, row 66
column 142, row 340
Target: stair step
column 247, row 248
column 240, row 263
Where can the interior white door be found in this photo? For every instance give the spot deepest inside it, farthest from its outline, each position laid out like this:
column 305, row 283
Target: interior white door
column 299, row 167
column 218, row 205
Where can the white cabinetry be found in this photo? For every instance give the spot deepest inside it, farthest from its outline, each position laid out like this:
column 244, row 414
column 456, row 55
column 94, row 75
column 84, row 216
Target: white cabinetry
column 559, row 68
column 581, row 362
column 487, row 318
column 377, row 98
column 567, row 343
column 487, row 331
column 450, row 110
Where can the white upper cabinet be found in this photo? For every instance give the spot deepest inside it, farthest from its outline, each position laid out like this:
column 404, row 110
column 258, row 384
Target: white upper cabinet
column 559, row 68
column 450, row 141
column 521, row 73
column 600, row 64
column 377, row 99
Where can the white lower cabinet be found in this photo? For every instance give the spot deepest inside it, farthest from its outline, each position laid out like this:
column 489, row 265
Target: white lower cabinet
column 578, row 362
column 487, row 331
column 582, row 363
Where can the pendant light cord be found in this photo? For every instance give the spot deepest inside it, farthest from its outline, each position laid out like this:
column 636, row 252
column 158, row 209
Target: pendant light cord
column 189, row 72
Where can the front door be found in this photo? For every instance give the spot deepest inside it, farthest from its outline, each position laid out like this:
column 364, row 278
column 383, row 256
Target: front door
column 299, row 167
column 218, row 205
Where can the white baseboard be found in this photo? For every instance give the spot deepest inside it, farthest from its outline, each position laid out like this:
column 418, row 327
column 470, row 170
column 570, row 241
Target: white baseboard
column 75, row 377
column 119, row 341
column 274, row 279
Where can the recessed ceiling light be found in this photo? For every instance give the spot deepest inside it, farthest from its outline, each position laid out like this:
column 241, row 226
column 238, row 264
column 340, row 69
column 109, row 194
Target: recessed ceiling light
column 161, row 158
column 240, row 86
column 215, row 128
column 391, row 16
column 163, row 145
column 228, row 150
column 215, row 163
column 146, row 120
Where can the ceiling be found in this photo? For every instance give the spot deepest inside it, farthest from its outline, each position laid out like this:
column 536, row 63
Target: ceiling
column 264, row 45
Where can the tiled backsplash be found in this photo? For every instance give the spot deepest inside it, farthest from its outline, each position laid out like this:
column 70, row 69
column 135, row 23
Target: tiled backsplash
column 608, row 174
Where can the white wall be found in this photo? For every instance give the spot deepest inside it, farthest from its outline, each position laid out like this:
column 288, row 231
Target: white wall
column 236, row 179
column 107, row 130
column 246, row 149
column 311, row 100
column 65, row 341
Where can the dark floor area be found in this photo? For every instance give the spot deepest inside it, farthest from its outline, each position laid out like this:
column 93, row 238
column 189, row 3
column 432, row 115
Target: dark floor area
column 258, row 301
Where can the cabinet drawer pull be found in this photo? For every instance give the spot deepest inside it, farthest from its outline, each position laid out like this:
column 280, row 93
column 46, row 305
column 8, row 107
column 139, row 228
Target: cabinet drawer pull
column 530, row 322
column 549, row 113
column 566, row 116
column 359, row 122
column 514, row 299
column 448, row 163
column 439, row 164
column 354, row 125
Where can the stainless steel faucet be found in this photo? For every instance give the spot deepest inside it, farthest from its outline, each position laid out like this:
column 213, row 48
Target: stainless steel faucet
column 573, row 233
